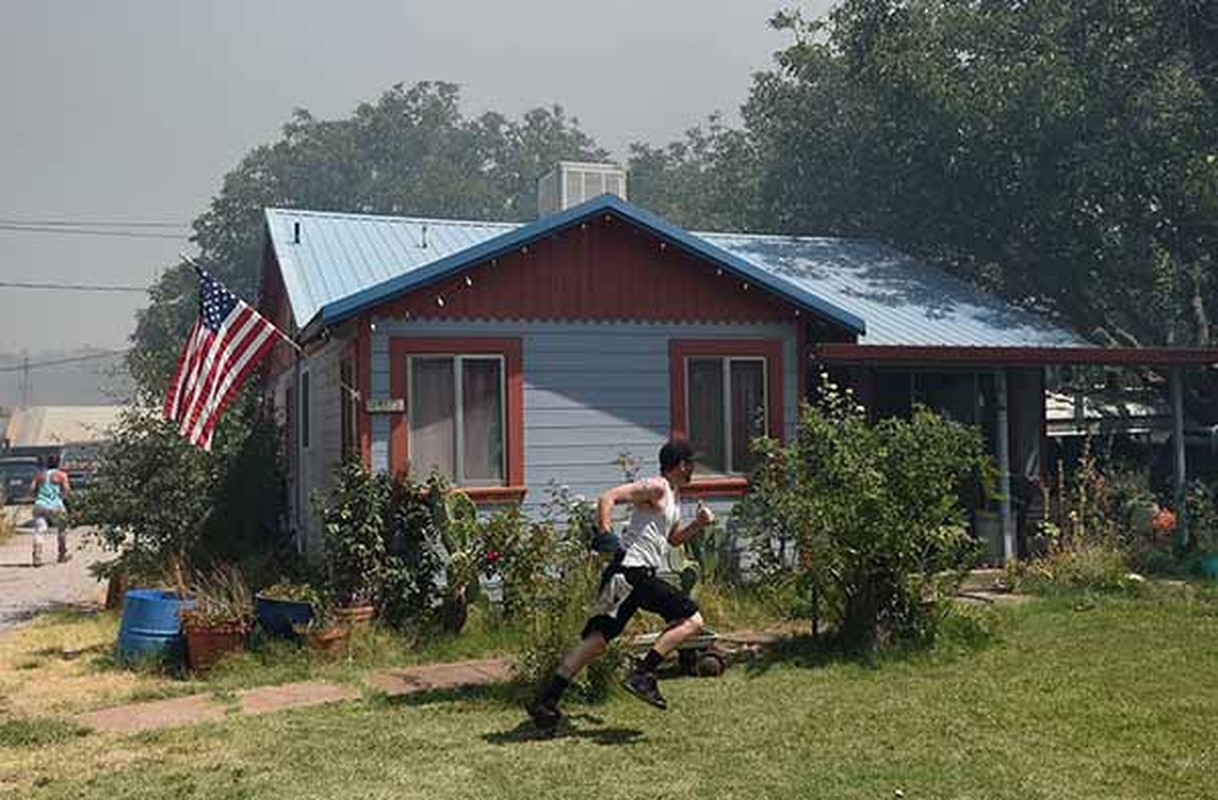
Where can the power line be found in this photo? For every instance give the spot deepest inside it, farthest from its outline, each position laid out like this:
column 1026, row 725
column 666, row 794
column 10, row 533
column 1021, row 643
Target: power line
column 89, row 223
column 72, row 287
column 61, row 361
column 51, row 229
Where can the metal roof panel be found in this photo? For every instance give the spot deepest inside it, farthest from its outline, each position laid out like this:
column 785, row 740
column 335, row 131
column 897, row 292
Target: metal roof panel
column 344, row 263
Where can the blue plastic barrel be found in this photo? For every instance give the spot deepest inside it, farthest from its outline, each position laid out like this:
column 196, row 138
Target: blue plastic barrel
column 152, row 626
column 278, row 616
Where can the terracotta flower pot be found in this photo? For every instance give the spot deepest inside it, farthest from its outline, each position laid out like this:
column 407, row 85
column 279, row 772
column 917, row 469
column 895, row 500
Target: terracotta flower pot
column 328, row 640
column 355, row 616
column 206, row 644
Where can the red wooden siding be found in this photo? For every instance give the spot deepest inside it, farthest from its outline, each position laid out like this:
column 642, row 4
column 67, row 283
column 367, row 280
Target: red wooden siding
column 273, row 304
column 603, row 269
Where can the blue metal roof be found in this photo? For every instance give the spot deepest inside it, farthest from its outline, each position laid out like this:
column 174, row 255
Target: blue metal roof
column 345, row 263
column 340, row 309
column 904, row 301
column 341, row 255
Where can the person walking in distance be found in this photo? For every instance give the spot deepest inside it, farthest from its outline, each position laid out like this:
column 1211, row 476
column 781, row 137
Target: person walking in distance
column 630, row 583
column 50, row 487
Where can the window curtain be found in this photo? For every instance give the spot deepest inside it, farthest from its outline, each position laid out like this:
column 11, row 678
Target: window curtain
column 705, row 399
column 433, row 441
column 481, row 398
column 748, row 410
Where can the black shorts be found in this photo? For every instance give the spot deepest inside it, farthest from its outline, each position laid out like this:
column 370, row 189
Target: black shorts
column 624, row 590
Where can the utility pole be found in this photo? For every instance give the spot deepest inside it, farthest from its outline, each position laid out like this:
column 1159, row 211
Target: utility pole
column 25, row 379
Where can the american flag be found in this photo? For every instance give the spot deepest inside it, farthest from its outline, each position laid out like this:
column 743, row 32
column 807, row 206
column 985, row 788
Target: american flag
column 225, row 344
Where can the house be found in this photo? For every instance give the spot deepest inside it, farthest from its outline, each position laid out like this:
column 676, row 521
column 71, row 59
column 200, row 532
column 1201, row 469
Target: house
column 513, row 356
column 44, row 429
column 73, row 432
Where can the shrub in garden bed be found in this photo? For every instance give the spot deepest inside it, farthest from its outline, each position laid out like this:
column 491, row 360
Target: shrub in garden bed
column 863, row 522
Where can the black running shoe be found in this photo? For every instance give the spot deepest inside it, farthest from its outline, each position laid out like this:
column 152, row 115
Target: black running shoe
column 643, row 686
column 546, row 716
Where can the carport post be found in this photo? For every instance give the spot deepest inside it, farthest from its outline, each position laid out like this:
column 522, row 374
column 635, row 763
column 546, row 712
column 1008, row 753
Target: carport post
column 1179, row 470
column 1004, row 467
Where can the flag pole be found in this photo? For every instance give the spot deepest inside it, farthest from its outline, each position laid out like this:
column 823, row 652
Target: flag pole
column 288, row 339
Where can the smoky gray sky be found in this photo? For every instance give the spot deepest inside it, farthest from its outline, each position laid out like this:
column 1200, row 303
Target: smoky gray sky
column 128, row 111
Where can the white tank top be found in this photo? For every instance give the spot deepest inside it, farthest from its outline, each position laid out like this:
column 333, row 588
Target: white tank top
column 646, row 538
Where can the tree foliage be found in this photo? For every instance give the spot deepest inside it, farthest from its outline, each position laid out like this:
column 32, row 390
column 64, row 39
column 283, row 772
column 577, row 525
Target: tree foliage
column 162, row 504
column 411, row 152
column 1061, row 153
column 865, row 521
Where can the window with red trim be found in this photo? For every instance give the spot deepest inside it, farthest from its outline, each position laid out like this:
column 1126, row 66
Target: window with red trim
column 725, row 393
column 464, row 417
column 456, row 423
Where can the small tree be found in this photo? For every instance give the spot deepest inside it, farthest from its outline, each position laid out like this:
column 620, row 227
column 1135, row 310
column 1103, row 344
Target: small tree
column 355, row 525
column 151, row 496
column 165, row 505
column 865, row 521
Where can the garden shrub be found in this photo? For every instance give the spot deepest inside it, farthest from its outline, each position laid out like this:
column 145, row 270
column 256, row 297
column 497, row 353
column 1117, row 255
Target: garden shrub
column 166, row 507
column 1095, row 566
column 381, row 543
column 1103, row 523
column 559, row 593
column 863, row 522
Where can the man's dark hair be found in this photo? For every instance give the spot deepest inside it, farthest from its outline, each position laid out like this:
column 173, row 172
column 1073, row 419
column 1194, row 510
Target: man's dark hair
column 52, row 460
column 674, row 452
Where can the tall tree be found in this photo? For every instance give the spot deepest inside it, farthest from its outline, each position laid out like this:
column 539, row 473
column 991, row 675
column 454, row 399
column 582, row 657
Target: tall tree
column 411, row 152
column 1061, row 152
column 708, row 180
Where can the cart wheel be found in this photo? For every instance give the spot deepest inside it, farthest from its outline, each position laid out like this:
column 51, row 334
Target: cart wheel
column 688, row 661
column 711, row 665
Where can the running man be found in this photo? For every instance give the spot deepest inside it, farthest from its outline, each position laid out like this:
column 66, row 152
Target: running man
column 630, row 583
column 50, row 487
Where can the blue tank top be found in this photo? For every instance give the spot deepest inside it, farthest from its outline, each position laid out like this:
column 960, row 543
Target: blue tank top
column 49, row 495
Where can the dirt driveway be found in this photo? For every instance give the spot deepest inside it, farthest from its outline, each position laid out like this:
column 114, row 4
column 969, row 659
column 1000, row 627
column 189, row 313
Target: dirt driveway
column 26, row 591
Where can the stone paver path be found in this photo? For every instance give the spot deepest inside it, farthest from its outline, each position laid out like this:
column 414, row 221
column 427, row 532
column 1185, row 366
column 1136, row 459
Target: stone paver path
column 155, row 715
column 205, row 707
column 26, row 591
column 394, row 682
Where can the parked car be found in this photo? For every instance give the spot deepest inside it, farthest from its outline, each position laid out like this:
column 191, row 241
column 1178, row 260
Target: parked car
column 16, row 476
column 78, row 460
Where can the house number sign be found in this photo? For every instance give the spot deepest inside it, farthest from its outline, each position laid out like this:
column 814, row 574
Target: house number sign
column 387, row 405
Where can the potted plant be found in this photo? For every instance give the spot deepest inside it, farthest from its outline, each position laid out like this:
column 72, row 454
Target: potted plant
column 354, row 527
column 324, row 632
column 284, row 604
column 219, row 621
column 356, row 609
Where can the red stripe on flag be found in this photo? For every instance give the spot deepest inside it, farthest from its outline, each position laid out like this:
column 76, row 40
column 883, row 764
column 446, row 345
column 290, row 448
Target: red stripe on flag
column 214, row 363
column 232, row 357
column 214, row 417
column 173, row 399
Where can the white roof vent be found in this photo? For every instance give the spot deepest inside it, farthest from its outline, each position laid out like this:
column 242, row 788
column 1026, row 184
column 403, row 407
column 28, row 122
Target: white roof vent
column 572, row 182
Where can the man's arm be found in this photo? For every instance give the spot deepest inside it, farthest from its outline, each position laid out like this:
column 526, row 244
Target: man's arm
column 637, row 493
column 679, row 536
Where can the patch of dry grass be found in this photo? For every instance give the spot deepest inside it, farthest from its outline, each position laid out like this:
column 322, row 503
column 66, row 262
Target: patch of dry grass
column 56, row 667
column 8, row 523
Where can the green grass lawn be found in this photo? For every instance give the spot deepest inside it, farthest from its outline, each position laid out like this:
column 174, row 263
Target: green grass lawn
column 1114, row 698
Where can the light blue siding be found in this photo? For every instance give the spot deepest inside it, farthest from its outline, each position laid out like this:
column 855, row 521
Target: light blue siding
column 592, row 391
